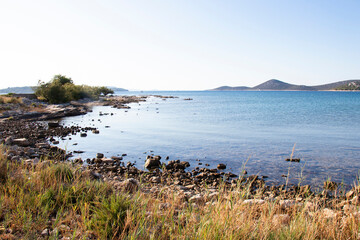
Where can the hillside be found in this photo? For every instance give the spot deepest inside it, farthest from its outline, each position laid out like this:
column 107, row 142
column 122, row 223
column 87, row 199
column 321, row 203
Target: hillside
column 277, row 85
column 337, row 85
column 26, row 89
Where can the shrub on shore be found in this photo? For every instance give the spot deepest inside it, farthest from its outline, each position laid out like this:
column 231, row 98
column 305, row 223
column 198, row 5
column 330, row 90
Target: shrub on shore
column 62, row 89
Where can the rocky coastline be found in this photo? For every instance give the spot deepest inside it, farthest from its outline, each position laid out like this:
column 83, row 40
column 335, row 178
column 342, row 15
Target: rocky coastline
column 29, row 138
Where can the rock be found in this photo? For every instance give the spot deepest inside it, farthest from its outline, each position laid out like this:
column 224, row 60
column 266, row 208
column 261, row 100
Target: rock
column 196, row 199
column 152, row 163
column 155, row 179
column 212, row 196
column 221, row 166
column 42, row 145
column 99, row 155
column 115, row 158
column 45, row 232
column 292, row 159
column 107, row 160
column 83, row 135
column 95, row 131
column 21, row 142
column 130, row 185
column 9, row 140
column 55, row 142
column 53, row 124
column 281, row 219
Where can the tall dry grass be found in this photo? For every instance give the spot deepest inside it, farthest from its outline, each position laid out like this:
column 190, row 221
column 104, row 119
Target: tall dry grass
column 61, row 199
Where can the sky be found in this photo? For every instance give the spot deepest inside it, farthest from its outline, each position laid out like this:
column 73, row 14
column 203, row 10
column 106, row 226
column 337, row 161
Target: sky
column 179, row 44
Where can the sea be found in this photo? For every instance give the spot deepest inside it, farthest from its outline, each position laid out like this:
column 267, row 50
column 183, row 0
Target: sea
column 246, row 130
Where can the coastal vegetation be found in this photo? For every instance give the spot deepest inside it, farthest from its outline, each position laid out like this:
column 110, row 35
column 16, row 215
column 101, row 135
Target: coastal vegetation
column 62, row 89
column 351, row 86
column 53, row 199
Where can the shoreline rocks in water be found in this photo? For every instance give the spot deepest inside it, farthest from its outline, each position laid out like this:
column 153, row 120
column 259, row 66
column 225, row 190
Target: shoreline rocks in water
column 28, row 141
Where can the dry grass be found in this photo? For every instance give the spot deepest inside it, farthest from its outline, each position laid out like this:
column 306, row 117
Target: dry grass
column 59, row 198
column 10, row 99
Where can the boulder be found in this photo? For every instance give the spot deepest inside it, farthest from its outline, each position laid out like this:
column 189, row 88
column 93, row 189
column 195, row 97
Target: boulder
column 152, row 162
column 221, row 166
column 99, row 155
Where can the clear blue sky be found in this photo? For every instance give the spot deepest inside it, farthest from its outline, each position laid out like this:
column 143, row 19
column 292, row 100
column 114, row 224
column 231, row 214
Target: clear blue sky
column 179, row 45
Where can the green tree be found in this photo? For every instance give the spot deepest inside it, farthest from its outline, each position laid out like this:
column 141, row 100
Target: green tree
column 62, row 89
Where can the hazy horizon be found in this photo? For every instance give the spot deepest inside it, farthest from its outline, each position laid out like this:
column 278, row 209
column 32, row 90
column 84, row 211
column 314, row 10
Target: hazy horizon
column 179, row 45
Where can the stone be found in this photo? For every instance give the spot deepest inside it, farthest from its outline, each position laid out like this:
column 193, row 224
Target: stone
column 292, row 159
column 23, row 142
column 107, row 160
column 130, row 185
column 99, row 155
column 45, row 232
column 196, row 199
column 9, row 140
column 115, row 158
column 155, row 179
column 221, row 166
column 83, row 135
column 95, row 131
column 152, row 163
column 53, row 124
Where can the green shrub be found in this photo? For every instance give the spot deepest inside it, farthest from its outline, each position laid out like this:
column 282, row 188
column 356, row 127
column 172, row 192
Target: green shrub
column 110, row 215
column 62, row 89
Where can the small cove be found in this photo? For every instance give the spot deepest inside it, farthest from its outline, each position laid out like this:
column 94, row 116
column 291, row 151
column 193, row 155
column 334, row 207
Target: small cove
column 255, row 129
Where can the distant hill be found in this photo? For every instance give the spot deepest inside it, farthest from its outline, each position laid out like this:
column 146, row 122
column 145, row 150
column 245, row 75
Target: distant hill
column 29, row 89
column 26, row 89
column 227, row 88
column 336, row 85
column 116, row 89
column 277, row 85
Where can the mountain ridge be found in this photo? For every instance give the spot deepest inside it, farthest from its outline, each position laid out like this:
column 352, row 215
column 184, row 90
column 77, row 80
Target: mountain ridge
column 277, row 85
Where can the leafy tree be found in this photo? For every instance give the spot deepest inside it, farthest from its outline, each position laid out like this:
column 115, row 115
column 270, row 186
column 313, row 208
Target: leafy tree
column 62, row 89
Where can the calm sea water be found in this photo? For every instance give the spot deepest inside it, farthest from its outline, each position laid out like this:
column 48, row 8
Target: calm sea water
column 252, row 130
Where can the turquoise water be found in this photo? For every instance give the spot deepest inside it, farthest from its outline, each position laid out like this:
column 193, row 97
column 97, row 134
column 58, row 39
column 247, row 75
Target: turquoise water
column 255, row 130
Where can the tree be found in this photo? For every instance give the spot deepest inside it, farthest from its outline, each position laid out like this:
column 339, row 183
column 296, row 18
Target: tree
column 62, row 89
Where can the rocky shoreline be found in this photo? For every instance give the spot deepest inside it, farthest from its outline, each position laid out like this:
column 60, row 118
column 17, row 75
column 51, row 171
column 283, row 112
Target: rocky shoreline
column 28, row 140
